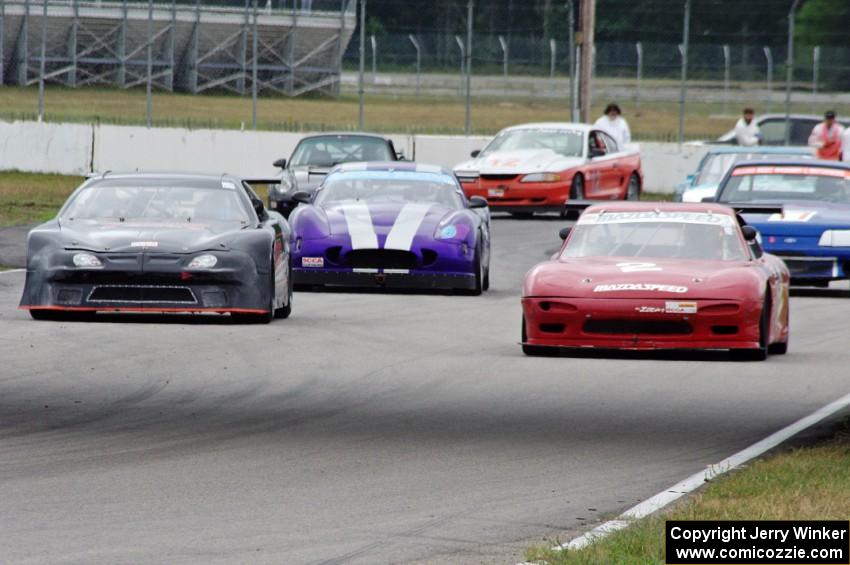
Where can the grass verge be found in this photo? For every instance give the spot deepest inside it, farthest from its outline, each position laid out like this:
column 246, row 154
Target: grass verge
column 809, row 483
column 655, row 121
column 27, row 198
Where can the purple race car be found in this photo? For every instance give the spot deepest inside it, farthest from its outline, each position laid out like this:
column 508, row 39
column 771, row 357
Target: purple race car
column 392, row 225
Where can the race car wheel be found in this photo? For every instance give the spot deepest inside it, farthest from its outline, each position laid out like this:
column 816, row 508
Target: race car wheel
column 780, row 348
column 760, row 353
column 577, row 188
column 285, row 311
column 532, row 350
column 479, row 272
column 633, row 190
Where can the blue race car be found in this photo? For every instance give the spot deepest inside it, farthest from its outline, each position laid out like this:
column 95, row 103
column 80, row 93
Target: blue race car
column 391, row 225
column 714, row 165
column 812, row 231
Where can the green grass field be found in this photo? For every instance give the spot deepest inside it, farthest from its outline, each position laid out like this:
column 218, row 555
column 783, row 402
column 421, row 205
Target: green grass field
column 810, row 483
column 27, row 198
column 652, row 121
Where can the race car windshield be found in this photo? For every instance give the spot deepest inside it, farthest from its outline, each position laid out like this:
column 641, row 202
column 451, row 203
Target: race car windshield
column 698, row 236
column 778, row 184
column 173, row 203
column 716, row 166
column 563, row 142
column 327, row 151
column 388, row 187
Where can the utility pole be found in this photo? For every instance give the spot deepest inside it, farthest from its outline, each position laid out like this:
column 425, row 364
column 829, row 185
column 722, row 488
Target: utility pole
column 789, row 70
column 467, row 127
column 586, row 41
column 360, row 91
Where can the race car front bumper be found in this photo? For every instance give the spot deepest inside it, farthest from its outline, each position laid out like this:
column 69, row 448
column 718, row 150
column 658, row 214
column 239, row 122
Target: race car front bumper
column 384, row 278
column 122, row 285
column 514, row 196
column 640, row 324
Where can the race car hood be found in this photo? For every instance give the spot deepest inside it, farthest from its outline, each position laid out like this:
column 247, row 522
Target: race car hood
column 135, row 236
column 406, row 220
column 619, row 277
column 802, row 218
column 520, row 162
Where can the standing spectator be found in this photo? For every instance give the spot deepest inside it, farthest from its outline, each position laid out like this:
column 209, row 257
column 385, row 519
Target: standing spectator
column 747, row 132
column 826, row 138
column 615, row 125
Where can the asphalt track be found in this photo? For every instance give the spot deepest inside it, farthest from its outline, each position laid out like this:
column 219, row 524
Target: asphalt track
column 368, row 428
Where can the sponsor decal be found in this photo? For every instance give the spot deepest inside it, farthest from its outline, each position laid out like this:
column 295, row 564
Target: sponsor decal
column 144, row 244
column 637, row 267
column 719, row 219
column 650, row 287
column 680, row 307
column 793, row 216
column 649, row 310
column 314, row 262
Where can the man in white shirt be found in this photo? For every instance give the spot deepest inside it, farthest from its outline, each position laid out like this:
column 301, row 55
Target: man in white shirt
column 747, row 132
column 615, row 125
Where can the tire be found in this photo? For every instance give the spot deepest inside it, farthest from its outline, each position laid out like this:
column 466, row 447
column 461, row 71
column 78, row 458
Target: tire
column 780, row 348
column 761, row 352
column 285, row 311
column 533, row 350
column 577, row 188
column 633, row 189
column 479, row 273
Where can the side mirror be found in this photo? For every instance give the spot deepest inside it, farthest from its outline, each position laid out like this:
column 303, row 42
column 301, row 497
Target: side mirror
column 596, row 152
column 565, row 232
column 709, row 199
column 475, row 153
column 302, row 197
column 280, row 163
column 750, row 233
column 477, row 202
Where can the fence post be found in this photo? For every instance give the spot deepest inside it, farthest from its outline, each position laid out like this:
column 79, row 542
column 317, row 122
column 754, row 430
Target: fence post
column 360, row 84
column 683, row 49
column 374, row 43
column 254, row 57
column 815, row 75
column 41, row 62
column 727, row 68
column 639, row 50
column 553, row 53
column 789, row 70
column 571, row 53
column 504, row 45
column 462, row 60
column 418, row 62
column 769, row 56
column 467, row 128
column 149, row 77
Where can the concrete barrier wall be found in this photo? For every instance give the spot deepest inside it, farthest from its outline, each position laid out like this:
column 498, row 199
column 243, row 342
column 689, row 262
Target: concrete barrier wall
column 46, row 147
column 78, row 149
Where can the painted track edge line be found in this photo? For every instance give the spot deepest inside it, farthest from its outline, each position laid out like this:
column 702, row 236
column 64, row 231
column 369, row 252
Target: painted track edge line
column 680, row 489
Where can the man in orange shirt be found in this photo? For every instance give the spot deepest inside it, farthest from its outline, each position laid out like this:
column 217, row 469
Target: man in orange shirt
column 826, row 138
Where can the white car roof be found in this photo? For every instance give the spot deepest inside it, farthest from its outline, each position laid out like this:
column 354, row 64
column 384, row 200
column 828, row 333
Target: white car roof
column 552, row 125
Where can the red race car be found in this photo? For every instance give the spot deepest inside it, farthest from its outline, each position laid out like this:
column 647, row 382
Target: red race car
column 539, row 167
column 642, row 275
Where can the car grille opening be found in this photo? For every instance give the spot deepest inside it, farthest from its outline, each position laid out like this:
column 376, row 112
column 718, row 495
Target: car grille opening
column 140, row 294
column 69, row 296
column 498, row 177
column 332, row 254
column 553, row 328
column 381, row 259
column 632, row 327
column 724, row 330
column 429, row 257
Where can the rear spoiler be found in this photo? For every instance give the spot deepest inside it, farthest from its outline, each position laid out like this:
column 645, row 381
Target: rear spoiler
column 752, row 208
column 581, row 205
column 265, row 180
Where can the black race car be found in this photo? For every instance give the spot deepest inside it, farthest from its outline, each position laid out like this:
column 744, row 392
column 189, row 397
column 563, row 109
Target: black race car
column 316, row 155
column 160, row 243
